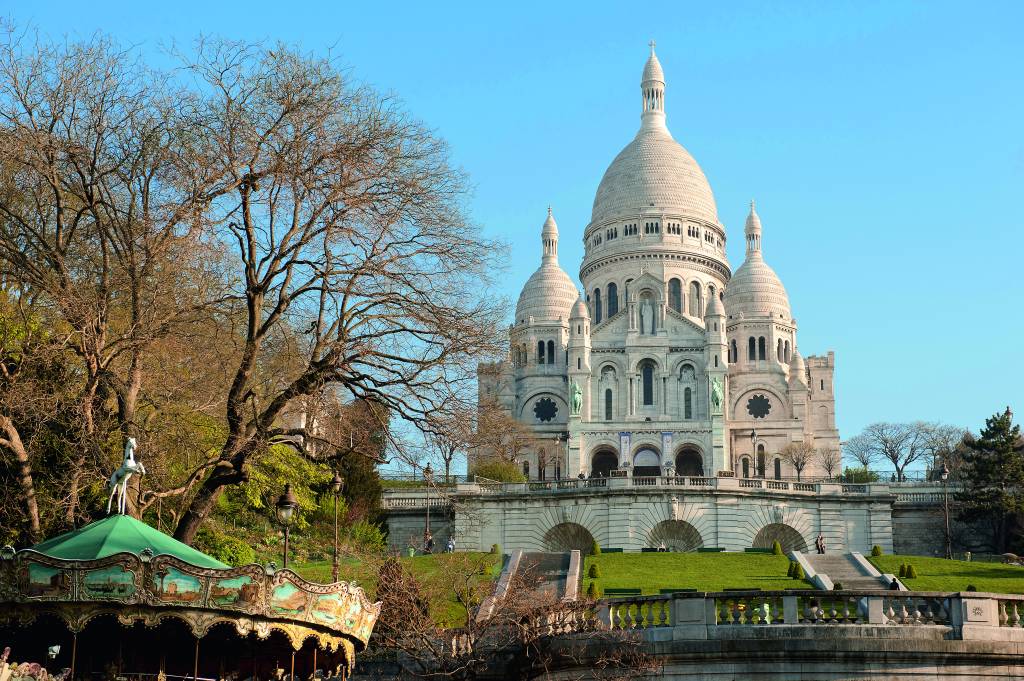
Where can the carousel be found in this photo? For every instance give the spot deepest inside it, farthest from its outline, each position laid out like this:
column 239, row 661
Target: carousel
column 118, row 599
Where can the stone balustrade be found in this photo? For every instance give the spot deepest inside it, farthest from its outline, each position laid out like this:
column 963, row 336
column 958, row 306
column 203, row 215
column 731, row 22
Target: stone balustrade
column 929, row 493
column 723, row 615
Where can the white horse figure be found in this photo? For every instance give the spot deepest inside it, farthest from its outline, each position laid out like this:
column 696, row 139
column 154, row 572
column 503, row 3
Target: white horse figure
column 119, row 480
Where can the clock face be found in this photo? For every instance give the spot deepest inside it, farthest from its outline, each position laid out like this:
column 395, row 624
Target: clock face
column 758, row 406
column 545, row 409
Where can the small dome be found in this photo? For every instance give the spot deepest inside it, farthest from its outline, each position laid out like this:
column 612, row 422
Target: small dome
column 755, row 290
column 579, row 310
column 652, row 69
column 797, row 368
column 549, row 293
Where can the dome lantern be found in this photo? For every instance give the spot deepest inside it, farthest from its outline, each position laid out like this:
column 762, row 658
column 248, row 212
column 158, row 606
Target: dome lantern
column 549, row 293
column 755, row 290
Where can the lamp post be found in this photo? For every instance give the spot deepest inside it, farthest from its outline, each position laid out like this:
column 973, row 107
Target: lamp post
column 753, row 451
column 336, row 486
column 286, row 507
column 428, row 476
column 945, row 509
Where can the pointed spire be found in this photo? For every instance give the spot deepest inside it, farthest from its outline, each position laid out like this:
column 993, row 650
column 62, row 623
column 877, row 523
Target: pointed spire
column 797, row 368
column 753, row 232
column 549, row 239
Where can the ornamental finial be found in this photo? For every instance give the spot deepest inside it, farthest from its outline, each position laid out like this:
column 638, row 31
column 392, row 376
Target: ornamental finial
column 651, row 45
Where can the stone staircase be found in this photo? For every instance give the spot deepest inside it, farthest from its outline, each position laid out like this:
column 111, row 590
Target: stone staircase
column 842, row 567
column 547, row 572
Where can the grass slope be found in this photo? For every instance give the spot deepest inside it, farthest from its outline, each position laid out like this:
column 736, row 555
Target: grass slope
column 939, row 574
column 702, row 571
column 430, row 571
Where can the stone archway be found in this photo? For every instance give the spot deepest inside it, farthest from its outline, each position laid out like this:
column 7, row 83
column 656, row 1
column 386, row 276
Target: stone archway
column 603, row 462
column 646, row 463
column 677, row 535
column 790, row 539
column 565, row 537
column 689, row 461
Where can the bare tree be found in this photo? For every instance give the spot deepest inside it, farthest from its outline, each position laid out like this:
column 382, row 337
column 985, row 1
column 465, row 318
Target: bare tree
column 860, row 449
column 798, row 455
column 497, row 434
column 901, row 444
column 347, row 227
column 97, row 218
column 942, row 443
column 831, row 461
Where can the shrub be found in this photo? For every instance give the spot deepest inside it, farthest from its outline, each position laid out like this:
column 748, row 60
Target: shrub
column 903, row 570
column 594, row 572
column 593, row 591
column 838, row 586
column 501, row 471
column 777, row 548
column 367, row 536
column 798, row 572
column 792, row 565
column 876, row 550
column 224, row 547
column 911, row 572
column 495, row 549
column 595, row 549
column 971, row 587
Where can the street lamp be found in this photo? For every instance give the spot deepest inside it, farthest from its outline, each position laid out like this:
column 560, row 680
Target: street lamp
column 753, row 452
column 336, row 486
column 428, row 475
column 945, row 509
column 286, row 507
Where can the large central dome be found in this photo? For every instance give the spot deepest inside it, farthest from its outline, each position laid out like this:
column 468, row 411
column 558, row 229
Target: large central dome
column 654, row 171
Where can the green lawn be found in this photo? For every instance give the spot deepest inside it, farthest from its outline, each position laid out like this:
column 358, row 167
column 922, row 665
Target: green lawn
column 702, row 571
column 939, row 574
column 431, row 571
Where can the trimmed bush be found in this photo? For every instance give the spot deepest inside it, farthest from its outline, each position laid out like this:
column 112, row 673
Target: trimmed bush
column 789, row 572
column 593, row 591
column 971, row 587
column 495, row 548
column 594, row 572
column 838, row 586
column 903, row 570
column 876, row 550
column 911, row 572
column 777, row 548
column 595, row 549
column 798, row 572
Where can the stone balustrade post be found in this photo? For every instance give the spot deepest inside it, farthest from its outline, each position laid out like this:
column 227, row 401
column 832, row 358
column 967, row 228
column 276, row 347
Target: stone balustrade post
column 790, row 610
column 604, row 616
column 876, row 605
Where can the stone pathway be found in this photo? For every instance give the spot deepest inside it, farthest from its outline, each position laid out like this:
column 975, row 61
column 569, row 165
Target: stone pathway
column 841, row 567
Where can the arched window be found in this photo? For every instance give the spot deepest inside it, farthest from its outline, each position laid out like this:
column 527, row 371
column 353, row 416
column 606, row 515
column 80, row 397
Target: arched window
column 647, row 378
column 579, row 362
column 540, row 352
column 597, row 306
column 778, row 469
column 608, row 404
column 542, row 463
column 696, row 300
column 675, row 295
column 734, row 355
column 762, row 351
column 687, row 403
column 760, row 461
column 751, row 349
column 526, row 469
column 746, row 467
column 558, row 470
column 787, row 352
column 779, row 353
column 613, row 299
column 551, row 352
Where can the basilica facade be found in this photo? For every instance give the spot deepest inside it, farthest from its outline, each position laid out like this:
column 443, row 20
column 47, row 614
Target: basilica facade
column 669, row 362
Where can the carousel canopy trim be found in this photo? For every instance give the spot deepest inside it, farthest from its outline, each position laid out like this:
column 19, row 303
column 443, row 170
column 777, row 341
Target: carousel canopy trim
column 121, row 534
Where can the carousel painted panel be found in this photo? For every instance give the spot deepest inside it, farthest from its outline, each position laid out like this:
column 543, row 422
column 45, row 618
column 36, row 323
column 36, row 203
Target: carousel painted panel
column 38, row 581
column 114, row 582
column 288, row 599
column 241, row 592
column 173, row 585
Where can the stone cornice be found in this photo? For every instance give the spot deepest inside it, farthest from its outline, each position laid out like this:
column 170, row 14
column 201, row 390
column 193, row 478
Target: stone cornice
column 702, row 263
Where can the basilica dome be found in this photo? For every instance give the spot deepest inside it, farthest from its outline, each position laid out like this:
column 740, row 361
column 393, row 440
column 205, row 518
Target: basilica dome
column 654, row 171
column 549, row 293
column 755, row 290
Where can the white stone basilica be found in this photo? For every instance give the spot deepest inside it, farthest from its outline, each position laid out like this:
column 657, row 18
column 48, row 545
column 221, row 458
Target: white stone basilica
column 670, row 362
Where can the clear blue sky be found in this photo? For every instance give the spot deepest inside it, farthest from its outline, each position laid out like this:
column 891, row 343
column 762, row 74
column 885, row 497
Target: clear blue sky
column 882, row 140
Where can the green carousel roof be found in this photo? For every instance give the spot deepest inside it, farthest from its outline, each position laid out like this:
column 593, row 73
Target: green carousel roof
column 121, row 534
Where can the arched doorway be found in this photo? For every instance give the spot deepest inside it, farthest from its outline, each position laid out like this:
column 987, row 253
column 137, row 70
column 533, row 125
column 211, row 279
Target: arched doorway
column 689, row 462
column 646, row 463
column 565, row 537
column 677, row 535
column 603, row 463
column 790, row 539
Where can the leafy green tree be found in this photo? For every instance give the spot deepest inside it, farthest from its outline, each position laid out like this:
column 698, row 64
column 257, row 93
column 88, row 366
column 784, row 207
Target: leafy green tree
column 993, row 480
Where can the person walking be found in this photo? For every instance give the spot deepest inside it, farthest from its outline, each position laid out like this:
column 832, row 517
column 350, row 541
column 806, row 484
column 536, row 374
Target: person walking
column 450, row 548
column 428, row 543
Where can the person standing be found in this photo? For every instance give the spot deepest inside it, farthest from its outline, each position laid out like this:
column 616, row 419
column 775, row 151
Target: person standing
column 428, row 543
